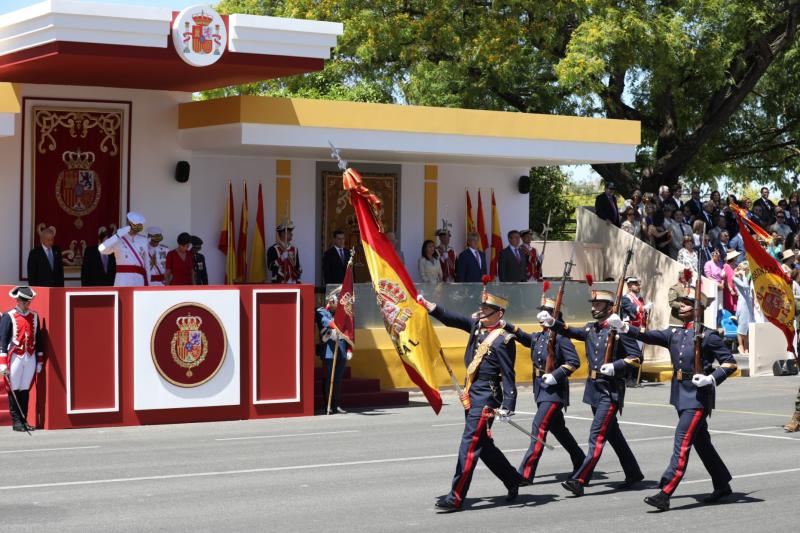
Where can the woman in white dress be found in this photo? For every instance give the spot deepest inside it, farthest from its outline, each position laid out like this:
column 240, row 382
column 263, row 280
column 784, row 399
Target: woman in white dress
column 687, row 257
column 430, row 269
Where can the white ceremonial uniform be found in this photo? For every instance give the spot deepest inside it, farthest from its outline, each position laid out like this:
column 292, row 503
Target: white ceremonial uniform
column 21, row 346
column 157, row 262
column 132, row 256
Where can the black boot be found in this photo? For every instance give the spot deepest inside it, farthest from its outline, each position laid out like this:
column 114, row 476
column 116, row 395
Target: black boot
column 660, row 501
column 23, row 396
column 13, row 410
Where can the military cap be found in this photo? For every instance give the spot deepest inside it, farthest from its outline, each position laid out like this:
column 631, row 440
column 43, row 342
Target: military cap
column 196, row 241
column 689, row 297
column 135, row 218
column 154, row 230
column 602, row 296
column 22, row 292
column 547, row 304
column 493, row 301
column 286, row 224
column 524, row 232
column 632, row 279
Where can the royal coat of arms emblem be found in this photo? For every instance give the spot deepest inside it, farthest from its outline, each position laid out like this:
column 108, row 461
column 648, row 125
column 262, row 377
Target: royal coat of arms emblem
column 189, row 346
column 78, row 187
column 199, row 35
column 390, row 297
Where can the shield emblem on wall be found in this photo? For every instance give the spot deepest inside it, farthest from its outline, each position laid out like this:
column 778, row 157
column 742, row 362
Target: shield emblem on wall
column 78, row 186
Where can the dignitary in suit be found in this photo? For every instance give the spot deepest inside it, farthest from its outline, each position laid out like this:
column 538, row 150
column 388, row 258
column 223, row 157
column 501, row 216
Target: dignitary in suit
column 513, row 262
column 490, row 389
column 334, row 260
column 471, row 263
column 604, row 391
column 605, row 204
column 550, row 392
column 329, row 337
column 692, row 394
column 45, row 266
column 21, row 354
column 283, row 260
column 130, row 249
column 98, row 270
column 157, row 262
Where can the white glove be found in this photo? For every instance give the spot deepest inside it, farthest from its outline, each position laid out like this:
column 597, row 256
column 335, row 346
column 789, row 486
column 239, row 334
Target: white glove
column 648, row 306
column 349, row 355
column 549, row 379
column 429, row 306
column 546, row 319
column 701, row 380
column 502, row 323
column 285, row 256
column 607, row 369
column 3, row 370
column 504, row 414
column 615, row 322
column 38, row 367
column 124, row 230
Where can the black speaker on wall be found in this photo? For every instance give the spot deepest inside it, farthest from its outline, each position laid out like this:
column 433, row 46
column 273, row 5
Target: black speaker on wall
column 182, row 171
column 524, row 184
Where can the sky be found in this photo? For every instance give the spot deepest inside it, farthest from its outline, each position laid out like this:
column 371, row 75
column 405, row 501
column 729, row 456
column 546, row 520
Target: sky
column 176, row 5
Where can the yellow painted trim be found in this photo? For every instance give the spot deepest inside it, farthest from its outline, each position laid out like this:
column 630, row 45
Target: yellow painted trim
column 431, row 172
column 9, row 98
column 283, row 199
column 431, row 201
column 407, row 119
column 283, row 167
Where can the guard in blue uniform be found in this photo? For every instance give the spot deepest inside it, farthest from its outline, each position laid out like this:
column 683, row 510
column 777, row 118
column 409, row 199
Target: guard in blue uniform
column 605, row 390
column 692, row 395
column 491, row 389
column 551, row 393
column 329, row 336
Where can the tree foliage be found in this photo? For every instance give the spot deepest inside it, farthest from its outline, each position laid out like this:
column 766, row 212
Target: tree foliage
column 715, row 83
column 549, row 188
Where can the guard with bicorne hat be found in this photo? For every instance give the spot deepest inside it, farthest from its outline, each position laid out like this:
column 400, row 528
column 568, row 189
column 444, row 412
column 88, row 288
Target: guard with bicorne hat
column 21, row 354
column 445, row 253
column 283, row 259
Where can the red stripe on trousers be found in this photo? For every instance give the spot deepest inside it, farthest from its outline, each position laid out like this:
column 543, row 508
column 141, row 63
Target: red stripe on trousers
column 537, row 449
column 469, row 463
column 598, row 444
column 683, row 456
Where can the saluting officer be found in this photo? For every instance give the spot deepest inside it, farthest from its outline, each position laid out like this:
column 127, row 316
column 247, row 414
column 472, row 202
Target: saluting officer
column 692, row 395
column 605, row 390
column 130, row 251
column 21, row 353
column 551, row 393
column 490, row 386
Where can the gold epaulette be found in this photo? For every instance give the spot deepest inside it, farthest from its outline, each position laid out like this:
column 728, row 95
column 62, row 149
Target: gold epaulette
column 633, row 361
column 731, row 366
column 507, row 337
column 569, row 368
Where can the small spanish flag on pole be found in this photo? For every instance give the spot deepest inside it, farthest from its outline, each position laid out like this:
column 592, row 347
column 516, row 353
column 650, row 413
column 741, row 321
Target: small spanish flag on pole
column 258, row 258
column 497, row 240
column 241, row 249
column 227, row 239
column 470, row 220
column 483, row 243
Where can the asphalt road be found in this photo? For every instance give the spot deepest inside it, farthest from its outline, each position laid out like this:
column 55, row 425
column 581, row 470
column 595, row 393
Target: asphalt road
column 381, row 470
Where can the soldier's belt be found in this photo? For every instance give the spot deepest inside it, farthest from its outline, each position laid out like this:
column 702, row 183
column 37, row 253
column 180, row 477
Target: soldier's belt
column 680, row 375
column 488, row 377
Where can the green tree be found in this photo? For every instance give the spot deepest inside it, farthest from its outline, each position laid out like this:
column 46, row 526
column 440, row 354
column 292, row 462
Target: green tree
column 714, row 83
column 549, row 197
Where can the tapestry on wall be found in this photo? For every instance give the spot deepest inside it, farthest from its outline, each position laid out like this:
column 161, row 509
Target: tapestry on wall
column 337, row 213
column 76, row 167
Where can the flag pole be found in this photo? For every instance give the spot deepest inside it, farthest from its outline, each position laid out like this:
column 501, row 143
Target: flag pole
column 333, row 373
column 459, row 390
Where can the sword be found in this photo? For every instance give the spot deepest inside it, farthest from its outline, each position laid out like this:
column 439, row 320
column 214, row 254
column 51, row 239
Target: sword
column 525, row 431
column 12, row 394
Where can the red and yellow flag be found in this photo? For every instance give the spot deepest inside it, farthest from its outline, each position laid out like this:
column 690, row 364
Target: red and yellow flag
column 407, row 322
column 497, row 240
column 241, row 249
column 258, row 258
column 484, row 241
column 470, row 221
column 344, row 319
column 755, row 228
column 772, row 286
column 227, row 238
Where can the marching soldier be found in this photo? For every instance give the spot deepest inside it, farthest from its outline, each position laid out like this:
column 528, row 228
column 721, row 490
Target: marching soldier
column 490, row 387
column 794, row 424
column 283, row 260
column 130, row 250
column 21, row 354
column 605, row 390
column 534, row 267
column 446, row 254
column 551, row 393
column 200, row 272
column 158, row 256
column 692, row 395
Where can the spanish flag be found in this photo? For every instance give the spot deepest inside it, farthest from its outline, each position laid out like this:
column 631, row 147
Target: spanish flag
column 470, row 221
column 497, row 240
column 258, row 258
column 484, row 241
column 241, row 249
column 227, row 242
column 755, row 228
column 772, row 286
column 407, row 322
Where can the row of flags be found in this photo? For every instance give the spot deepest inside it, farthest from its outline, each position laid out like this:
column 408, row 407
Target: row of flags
column 237, row 269
column 496, row 243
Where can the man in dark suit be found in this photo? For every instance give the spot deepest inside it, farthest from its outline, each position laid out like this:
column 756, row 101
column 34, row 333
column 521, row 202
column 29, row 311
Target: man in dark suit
column 605, row 205
column 695, row 204
column 334, row 260
column 98, row 270
column 471, row 263
column 45, row 266
column 767, row 207
column 513, row 261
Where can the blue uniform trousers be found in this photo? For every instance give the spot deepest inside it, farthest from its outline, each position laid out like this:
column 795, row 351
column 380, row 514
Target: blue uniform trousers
column 606, row 428
column 477, row 442
column 692, row 430
column 341, row 364
column 549, row 418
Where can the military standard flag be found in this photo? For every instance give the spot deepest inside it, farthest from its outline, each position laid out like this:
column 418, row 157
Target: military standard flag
column 258, row 258
column 484, row 241
column 227, row 243
column 344, row 318
column 407, row 322
column 497, row 240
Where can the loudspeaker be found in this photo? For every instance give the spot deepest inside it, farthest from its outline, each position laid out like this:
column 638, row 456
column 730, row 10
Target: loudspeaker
column 182, row 171
column 784, row 367
column 524, row 184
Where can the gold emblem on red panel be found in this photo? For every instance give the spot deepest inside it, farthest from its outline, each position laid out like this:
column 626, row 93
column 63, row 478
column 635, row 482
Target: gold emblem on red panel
column 188, row 345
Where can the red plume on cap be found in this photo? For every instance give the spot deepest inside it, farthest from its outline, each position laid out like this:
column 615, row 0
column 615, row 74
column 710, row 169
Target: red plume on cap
column 486, row 278
column 687, row 273
column 589, row 279
column 545, row 286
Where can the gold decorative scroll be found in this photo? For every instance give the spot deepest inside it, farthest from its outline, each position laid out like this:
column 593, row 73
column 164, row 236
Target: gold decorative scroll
column 78, row 123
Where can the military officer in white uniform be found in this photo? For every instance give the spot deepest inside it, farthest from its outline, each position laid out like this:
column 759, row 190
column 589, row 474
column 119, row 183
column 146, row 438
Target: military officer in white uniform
column 157, row 260
column 130, row 250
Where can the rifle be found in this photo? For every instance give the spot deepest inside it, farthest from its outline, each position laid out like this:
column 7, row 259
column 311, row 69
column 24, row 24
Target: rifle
column 546, row 232
column 698, row 312
column 551, row 340
column 612, row 335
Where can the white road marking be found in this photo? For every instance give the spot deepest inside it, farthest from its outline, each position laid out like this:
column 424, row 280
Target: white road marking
column 754, row 474
column 712, row 431
column 290, row 435
column 784, row 415
column 49, row 449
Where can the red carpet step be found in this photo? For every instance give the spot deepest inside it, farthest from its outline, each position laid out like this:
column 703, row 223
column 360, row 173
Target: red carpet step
column 358, row 393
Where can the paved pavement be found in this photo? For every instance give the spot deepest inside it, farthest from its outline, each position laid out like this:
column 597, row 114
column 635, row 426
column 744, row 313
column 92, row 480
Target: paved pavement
column 381, row 471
